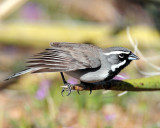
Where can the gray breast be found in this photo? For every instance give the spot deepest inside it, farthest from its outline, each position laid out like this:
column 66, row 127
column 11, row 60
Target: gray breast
column 93, row 75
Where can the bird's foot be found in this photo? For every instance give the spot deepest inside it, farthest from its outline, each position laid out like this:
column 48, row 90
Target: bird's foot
column 67, row 87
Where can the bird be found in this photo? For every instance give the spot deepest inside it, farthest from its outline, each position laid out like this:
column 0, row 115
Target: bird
column 86, row 62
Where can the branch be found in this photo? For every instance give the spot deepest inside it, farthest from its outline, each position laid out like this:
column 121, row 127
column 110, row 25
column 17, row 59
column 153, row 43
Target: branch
column 141, row 84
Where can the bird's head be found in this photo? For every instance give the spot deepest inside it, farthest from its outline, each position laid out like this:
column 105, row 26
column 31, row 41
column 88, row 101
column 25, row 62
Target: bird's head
column 119, row 57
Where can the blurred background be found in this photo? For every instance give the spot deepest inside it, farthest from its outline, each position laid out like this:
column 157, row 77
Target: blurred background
column 35, row 101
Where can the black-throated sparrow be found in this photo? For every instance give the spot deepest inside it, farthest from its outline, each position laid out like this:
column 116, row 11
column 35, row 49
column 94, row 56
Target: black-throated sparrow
column 87, row 63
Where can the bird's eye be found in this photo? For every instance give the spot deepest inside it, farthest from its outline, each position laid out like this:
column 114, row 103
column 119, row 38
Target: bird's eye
column 121, row 55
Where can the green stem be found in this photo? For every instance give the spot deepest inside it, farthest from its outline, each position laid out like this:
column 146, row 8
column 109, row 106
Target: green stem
column 141, row 84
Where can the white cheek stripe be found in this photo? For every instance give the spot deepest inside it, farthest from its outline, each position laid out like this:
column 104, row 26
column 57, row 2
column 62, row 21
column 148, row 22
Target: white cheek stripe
column 113, row 67
column 116, row 52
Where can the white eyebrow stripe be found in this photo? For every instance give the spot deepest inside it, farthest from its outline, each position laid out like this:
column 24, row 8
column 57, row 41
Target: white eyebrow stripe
column 116, row 52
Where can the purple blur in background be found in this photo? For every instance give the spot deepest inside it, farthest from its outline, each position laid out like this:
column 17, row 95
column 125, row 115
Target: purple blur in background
column 43, row 89
column 109, row 117
column 121, row 76
column 72, row 80
column 32, row 11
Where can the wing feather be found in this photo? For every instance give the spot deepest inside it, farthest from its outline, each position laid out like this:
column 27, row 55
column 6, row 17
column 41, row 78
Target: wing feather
column 64, row 57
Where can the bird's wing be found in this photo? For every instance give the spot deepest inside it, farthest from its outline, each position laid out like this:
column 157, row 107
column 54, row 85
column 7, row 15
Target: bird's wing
column 63, row 57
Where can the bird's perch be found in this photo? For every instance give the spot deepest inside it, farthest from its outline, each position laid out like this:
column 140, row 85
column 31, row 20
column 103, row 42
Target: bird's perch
column 141, row 84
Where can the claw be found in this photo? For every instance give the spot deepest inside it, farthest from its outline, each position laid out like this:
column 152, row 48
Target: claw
column 62, row 91
column 69, row 89
column 69, row 93
column 66, row 87
column 90, row 88
column 86, row 85
column 78, row 92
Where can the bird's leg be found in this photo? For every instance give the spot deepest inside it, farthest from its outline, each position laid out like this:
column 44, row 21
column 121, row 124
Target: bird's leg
column 86, row 85
column 65, row 84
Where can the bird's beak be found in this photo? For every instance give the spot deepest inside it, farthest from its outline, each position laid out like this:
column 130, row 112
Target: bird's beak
column 133, row 57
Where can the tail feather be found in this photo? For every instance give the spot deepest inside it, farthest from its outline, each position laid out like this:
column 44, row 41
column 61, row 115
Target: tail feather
column 20, row 73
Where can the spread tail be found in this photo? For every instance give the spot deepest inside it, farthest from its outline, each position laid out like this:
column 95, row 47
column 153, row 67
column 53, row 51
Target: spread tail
column 20, row 73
